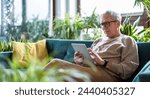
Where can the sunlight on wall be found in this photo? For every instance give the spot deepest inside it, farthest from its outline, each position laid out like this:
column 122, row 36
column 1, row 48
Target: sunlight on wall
column 120, row 6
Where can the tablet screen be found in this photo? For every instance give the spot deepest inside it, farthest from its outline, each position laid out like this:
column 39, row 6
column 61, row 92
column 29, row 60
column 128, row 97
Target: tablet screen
column 82, row 49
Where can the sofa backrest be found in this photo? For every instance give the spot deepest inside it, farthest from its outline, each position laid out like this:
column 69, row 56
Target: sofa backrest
column 144, row 52
column 62, row 49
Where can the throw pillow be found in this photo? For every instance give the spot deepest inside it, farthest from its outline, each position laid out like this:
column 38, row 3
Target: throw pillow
column 26, row 53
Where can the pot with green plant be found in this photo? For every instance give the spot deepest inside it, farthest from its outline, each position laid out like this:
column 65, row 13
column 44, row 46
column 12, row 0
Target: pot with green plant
column 67, row 28
column 131, row 29
column 91, row 23
column 37, row 29
column 5, row 46
column 71, row 28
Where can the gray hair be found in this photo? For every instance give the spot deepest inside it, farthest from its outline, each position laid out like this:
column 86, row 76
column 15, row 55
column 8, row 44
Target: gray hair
column 115, row 15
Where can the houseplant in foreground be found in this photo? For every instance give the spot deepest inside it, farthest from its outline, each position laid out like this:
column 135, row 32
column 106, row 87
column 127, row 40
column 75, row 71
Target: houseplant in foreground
column 35, row 73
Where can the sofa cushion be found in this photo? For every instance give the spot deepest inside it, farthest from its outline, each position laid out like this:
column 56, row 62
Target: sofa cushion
column 26, row 53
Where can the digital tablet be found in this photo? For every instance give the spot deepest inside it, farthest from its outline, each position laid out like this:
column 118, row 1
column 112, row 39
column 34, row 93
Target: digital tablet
column 82, row 49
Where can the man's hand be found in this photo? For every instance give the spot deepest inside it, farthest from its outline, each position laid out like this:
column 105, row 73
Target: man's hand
column 95, row 57
column 78, row 58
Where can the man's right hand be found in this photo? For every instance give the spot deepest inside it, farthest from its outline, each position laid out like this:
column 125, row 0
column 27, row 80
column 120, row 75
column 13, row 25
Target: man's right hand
column 96, row 58
column 78, row 58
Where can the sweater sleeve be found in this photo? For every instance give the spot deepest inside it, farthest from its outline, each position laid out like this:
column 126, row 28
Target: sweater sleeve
column 129, row 59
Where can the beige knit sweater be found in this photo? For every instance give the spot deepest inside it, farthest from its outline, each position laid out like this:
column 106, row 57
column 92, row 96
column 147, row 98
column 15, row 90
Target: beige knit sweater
column 121, row 52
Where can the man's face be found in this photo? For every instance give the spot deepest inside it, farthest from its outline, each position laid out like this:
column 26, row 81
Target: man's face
column 110, row 26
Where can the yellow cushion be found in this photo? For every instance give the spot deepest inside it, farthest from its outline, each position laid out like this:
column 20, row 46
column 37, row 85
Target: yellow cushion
column 26, row 53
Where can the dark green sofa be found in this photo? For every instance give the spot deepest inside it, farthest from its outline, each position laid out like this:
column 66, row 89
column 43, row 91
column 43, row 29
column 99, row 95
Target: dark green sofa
column 144, row 74
column 59, row 48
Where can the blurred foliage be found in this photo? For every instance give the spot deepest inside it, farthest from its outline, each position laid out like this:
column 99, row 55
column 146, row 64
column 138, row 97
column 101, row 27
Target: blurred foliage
column 5, row 46
column 36, row 73
column 67, row 28
column 91, row 26
column 93, row 34
column 36, row 29
column 145, row 37
column 91, row 21
column 70, row 28
column 132, row 30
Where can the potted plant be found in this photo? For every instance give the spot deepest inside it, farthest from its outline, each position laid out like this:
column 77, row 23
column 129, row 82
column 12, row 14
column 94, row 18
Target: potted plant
column 132, row 30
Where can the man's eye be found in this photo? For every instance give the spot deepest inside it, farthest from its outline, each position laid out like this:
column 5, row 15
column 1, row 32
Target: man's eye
column 105, row 24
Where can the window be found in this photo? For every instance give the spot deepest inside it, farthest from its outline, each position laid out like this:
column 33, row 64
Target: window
column 34, row 8
column 0, row 11
column 0, row 16
column 37, row 8
column 18, row 11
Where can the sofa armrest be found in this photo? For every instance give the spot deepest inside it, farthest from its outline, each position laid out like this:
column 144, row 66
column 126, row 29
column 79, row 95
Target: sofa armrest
column 144, row 74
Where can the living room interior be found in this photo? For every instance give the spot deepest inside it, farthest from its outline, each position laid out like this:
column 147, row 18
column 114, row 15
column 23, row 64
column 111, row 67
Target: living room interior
column 49, row 27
